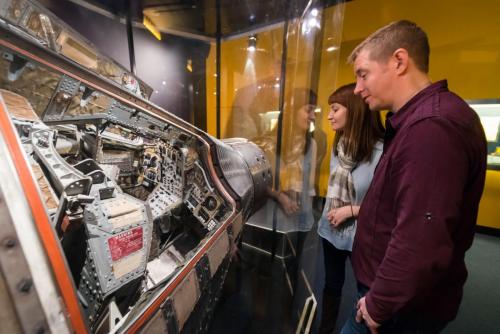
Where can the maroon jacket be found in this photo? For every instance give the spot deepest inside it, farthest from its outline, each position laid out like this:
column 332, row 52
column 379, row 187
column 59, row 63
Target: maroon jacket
column 418, row 217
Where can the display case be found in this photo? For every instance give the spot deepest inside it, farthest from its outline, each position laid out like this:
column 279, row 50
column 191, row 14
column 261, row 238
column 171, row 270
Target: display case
column 489, row 114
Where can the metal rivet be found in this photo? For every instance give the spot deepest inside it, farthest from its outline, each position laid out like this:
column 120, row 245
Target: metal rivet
column 25, row 285
column 428, row 215
column 9, row 243
column 40, row 329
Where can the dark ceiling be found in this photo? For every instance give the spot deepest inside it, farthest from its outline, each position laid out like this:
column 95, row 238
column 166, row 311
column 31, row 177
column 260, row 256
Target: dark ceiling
column 199, row 17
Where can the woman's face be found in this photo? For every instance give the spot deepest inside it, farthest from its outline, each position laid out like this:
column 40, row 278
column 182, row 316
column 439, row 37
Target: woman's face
column 337, row 116
column 305, row 116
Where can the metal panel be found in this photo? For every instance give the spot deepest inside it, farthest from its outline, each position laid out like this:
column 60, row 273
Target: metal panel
column 18, row 277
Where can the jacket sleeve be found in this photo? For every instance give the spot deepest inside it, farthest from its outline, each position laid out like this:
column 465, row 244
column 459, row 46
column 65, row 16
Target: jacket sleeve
column 429, row 170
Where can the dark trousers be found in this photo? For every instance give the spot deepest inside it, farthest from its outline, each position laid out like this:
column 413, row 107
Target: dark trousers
column 334, row 268
column 334, row 281
column 397, row 325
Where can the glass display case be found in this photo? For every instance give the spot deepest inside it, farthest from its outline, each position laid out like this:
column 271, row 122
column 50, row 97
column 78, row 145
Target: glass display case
column 268, row 87
column 489, row 113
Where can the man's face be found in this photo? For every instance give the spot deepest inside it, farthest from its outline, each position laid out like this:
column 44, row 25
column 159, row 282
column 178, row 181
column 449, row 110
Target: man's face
column 374, row 81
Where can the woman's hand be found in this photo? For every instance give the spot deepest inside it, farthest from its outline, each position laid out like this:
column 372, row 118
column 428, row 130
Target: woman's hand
column 287, row 204
column 338, row 216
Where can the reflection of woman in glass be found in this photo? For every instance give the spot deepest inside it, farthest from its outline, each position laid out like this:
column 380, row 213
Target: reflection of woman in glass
column 356, row 151
column 297, row 162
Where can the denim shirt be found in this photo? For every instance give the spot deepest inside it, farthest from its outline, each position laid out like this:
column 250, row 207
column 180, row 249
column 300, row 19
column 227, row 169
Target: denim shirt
column 362, row 176
column 303, row 220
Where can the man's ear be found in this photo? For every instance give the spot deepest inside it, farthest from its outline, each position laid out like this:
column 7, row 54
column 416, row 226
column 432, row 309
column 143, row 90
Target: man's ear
column 401, row 60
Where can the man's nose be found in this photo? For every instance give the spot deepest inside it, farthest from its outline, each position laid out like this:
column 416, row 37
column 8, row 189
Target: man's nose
column 358, row 89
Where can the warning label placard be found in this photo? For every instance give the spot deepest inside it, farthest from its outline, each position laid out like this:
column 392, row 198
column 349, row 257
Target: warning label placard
column 125, row 243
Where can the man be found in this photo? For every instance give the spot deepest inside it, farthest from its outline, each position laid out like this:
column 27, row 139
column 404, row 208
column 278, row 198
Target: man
column 417, row 219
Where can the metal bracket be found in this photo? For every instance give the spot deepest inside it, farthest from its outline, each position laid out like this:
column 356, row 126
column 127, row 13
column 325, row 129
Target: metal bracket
column 65, row 177
column 61, row 99
column 309, row 309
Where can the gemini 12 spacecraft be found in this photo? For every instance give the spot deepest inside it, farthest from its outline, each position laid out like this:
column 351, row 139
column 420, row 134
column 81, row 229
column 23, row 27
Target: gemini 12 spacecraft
column 116, row 216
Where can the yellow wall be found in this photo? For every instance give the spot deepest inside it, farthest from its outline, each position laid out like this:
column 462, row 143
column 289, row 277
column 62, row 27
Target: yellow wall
column 464, row 37
column 211, row 90
column 465, row 43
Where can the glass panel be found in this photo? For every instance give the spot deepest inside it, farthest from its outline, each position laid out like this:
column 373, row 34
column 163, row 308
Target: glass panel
column 33, row 82
column 294, row 140
column 250, row 77
column 199, row 17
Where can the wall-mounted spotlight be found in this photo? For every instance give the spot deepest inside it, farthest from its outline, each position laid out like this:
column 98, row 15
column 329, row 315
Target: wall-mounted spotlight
column 252, row 43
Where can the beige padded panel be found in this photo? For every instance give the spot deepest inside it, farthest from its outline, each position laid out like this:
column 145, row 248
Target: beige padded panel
column 185, row 297
column 237, row 225
column 218, row 252
column 157, row 324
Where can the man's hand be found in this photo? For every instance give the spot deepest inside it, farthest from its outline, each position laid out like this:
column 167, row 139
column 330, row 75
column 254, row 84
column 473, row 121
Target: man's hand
column 364, row 315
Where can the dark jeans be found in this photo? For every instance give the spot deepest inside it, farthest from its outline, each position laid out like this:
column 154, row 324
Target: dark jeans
column 397, row 325
column 334, row 268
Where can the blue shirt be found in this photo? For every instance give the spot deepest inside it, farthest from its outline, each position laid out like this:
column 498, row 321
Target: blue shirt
column 362, row 176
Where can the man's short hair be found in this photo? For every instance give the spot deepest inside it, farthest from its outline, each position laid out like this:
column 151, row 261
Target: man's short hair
column 401, row 34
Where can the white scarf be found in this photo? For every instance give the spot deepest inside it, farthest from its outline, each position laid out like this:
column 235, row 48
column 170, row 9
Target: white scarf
column 340, row 185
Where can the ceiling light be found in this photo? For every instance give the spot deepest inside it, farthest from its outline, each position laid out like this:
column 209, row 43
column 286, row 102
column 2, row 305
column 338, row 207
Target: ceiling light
column 311, row 22
column 252, row 43
column 151, row 27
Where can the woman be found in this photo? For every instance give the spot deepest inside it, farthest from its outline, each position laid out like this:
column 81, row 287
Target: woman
column 356, row 151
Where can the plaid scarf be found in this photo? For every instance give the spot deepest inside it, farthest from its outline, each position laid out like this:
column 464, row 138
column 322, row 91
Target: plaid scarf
column 340, row 185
